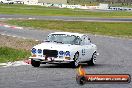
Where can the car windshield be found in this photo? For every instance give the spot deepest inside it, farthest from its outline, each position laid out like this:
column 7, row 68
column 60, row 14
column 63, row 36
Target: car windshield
column 65, row 39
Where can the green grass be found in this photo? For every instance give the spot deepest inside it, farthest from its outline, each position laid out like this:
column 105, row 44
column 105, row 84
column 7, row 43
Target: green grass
column 9, row 54
column 44, row 11
column 103, row 28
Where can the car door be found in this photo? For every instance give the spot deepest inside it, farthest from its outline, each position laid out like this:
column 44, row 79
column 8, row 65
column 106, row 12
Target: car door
column 79, row 47
column 83, row 48
column 87, row 48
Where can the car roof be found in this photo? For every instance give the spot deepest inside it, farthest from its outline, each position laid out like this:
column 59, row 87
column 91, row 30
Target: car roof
column 69, row 33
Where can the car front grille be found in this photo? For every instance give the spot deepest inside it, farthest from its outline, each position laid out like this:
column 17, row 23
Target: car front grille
column 50, row 53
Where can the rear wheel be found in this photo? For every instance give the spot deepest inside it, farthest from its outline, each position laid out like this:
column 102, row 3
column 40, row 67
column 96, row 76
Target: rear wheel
column 35, row 63
column 75, row 63
column 93, row 59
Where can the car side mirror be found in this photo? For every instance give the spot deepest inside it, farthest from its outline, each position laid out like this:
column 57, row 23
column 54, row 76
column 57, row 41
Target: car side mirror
column 89, row 40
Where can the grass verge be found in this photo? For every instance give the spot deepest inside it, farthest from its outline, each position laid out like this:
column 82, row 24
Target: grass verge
column 9, row 54
column 103, row 28
column 44, row 11
column 12, row 49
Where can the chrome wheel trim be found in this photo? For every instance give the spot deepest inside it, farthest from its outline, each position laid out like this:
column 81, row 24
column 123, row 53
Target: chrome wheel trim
column 76, row 60
column 94, row 58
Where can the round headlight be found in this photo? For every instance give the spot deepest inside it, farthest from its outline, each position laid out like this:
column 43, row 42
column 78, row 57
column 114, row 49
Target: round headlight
column 61, row 53
column 67, row 53
column 39, row 51
column 33, row 50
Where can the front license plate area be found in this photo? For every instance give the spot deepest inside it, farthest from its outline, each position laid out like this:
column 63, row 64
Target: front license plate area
column 49, row 59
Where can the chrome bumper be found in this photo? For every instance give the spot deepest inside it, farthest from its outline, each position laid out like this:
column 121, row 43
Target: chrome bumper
column 55, row 60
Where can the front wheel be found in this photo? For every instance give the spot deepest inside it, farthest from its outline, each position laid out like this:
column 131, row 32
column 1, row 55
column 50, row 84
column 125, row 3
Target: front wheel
column 35, row 63
column 93, row 59
column 75, row 63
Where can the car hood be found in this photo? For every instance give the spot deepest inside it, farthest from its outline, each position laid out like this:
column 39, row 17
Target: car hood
column 55, row 46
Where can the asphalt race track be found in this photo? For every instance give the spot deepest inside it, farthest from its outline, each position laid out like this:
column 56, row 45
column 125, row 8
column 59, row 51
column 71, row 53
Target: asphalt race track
column 65, row 18
column 115, row 58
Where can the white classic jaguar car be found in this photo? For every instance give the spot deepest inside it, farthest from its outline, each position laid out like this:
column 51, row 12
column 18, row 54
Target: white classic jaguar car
column 64, row 47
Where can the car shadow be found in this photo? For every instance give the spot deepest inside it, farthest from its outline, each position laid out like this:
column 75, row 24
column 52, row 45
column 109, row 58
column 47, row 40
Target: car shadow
column 102, row 65
column 64, row 65
column 83, row 65
column 55, row 66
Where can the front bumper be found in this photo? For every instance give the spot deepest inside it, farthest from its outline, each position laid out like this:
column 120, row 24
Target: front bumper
column 51, row 60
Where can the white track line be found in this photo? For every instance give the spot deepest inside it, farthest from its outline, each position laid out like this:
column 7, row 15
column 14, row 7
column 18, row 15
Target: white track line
column 2, row 18
column 19, row 27
column 36, row 40
column 7, row 26
column 14, row 36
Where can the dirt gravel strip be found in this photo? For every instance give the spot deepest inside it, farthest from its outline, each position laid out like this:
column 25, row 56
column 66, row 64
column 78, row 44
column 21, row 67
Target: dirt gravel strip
column 17, row 43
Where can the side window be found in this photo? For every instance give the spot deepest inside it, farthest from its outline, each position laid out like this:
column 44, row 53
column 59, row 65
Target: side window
column 77, row 41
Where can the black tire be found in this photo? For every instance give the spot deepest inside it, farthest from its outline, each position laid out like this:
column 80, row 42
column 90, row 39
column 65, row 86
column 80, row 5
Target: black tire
column 93, row 59
column 75, row 63
column 35, row 63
